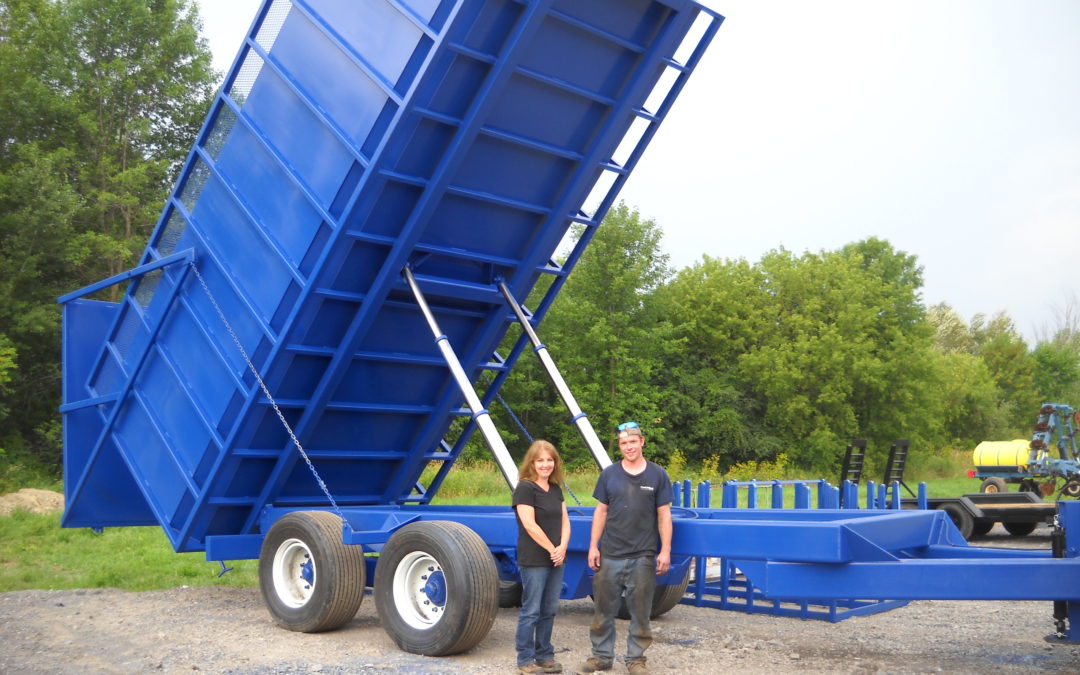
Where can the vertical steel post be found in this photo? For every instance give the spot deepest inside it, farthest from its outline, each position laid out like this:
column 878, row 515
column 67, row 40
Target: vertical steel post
column 580, row 420
column 480, row 414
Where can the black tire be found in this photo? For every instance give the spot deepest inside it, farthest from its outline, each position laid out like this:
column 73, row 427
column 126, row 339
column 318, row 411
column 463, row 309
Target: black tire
column 509, row 594
column 960, row 517
column 981, row 527
column 994, row 484
column 1019, row 529
column 310, row 580
column 436, row 588
column 1071, row 489
column 664, row 599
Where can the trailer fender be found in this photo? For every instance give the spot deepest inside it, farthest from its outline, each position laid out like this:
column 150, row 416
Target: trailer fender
column 436, row 588
column 310, row 580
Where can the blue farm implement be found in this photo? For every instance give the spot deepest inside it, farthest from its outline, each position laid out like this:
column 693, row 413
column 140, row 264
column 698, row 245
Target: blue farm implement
column 377, row 189
column 1050, row 458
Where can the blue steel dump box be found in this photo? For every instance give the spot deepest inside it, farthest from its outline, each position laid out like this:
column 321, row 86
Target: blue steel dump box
column 460, row 138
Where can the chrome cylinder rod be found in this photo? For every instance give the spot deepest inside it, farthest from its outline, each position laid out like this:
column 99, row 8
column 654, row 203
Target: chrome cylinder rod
column 480, row 415
column 581, row 421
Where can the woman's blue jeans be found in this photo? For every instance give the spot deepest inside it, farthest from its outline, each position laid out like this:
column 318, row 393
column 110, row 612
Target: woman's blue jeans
column 540, row 590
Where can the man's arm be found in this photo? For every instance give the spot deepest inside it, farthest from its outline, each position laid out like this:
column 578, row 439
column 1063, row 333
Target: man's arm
column 599, row 520
column 663, row 521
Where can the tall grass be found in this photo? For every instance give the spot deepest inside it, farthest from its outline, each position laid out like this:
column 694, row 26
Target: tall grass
column 480, row 482
column 35, row 552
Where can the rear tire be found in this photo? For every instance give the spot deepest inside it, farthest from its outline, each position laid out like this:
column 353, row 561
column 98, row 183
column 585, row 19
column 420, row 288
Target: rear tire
column 994, row 484
column 1019, row 529
column 960, row 517
column 664, row 598
column 436, row 588
column 310, row 580
column 509, row 593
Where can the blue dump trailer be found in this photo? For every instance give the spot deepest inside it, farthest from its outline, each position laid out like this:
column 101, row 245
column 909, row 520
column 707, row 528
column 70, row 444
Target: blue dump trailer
column 289, row 376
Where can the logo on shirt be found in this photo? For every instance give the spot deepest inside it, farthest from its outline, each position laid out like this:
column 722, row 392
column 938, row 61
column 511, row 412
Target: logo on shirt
column 648, row 487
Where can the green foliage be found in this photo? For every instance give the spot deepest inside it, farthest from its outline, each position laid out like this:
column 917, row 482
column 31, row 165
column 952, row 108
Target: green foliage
column 798, row 355
column 35, row 552
column 100, row 102
column 1019, row 379
column 1057, row 371
column 607, row 338
column 969, row 399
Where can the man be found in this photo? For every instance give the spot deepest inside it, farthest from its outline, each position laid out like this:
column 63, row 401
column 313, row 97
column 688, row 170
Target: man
column 629, row 547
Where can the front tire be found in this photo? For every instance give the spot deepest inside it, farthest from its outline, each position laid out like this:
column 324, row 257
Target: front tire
column 994, row 484
column 309, row 579
column 436, row 588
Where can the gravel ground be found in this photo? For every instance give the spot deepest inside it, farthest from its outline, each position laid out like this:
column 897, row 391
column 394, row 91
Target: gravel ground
column 227, row 630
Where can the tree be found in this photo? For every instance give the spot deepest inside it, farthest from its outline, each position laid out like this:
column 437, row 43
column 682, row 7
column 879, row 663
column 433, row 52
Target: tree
column 1057, row 357
column 605, row 334
column 844, row 352
column 713, row 306
column 1056, row 374
column 951, row 332
column 799, row 355
column 100, row 103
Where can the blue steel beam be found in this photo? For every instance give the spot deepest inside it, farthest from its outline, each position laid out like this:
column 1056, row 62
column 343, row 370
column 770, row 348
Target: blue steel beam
column 940, row 579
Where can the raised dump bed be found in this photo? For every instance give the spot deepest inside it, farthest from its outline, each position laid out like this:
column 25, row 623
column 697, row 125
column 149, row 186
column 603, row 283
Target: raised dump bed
column 351, row 140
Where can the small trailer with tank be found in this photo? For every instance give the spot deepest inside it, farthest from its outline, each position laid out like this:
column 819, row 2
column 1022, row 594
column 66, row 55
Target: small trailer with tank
column 377, row 189
column 1032, row 464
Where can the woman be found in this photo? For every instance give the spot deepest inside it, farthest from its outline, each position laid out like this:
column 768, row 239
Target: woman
column 543, row 535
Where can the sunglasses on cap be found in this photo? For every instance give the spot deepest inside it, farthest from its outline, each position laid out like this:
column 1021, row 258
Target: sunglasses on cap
column 625, row 426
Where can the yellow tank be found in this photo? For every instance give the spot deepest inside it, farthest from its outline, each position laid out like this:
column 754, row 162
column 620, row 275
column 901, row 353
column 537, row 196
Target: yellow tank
column 1002, row 453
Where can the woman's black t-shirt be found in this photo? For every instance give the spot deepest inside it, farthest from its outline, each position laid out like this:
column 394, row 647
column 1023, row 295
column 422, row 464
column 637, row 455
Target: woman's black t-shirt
column 547, row 507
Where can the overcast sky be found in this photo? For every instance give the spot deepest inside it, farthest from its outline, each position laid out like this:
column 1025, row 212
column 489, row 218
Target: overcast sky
column 951, row 128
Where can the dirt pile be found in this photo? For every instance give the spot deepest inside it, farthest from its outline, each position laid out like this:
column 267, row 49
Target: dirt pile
column 32, row 500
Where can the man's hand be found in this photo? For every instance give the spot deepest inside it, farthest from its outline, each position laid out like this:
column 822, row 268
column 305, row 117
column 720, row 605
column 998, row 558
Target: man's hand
column 663, row 563
column 594, row 558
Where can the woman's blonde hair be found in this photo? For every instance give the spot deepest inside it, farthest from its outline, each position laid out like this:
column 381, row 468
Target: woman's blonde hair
column 527, row 470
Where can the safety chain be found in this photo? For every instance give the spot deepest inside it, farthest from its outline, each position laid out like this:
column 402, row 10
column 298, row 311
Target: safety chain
column 266, row 391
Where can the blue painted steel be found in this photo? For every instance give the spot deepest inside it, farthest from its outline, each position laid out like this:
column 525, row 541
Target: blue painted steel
column 459, row 137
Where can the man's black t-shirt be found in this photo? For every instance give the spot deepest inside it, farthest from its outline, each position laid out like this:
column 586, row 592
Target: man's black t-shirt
column 631, row 529
column 547, row 507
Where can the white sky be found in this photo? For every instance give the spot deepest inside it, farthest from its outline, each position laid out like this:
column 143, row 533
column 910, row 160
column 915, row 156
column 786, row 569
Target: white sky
column 951, row 128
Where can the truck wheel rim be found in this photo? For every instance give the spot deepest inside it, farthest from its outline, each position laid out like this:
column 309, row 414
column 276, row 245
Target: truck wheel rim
column 294, row 573
column 419, row 590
